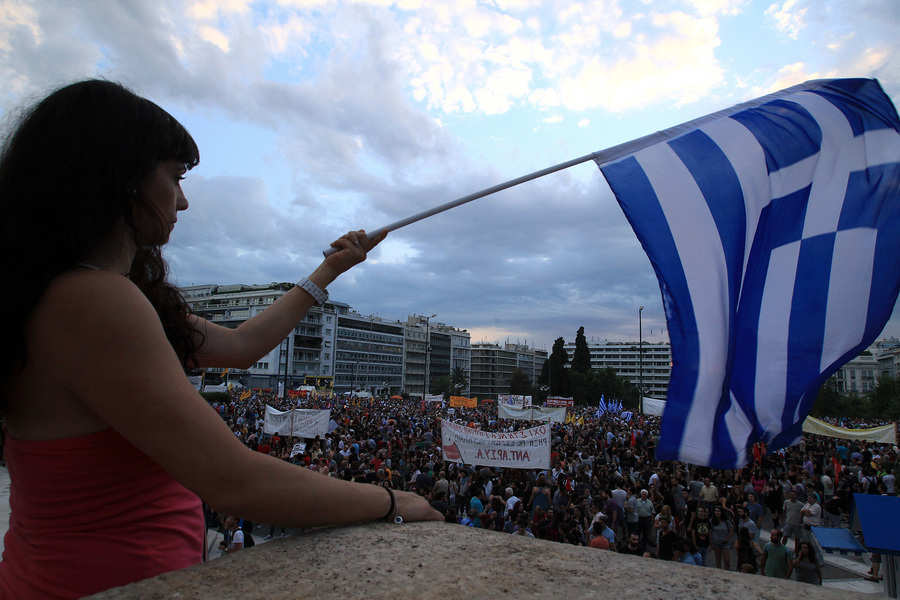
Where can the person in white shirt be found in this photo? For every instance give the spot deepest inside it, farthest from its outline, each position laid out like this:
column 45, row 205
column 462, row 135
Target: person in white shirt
column 812, row 515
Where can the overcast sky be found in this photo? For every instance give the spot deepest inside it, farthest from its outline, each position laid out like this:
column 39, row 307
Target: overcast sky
column 317, row 117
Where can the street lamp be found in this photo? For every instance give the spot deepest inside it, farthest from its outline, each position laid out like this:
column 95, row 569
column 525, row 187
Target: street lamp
column 640, row 361
column 427, row 348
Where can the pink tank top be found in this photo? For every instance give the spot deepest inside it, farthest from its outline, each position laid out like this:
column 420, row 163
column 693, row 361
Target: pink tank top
column 90, row 513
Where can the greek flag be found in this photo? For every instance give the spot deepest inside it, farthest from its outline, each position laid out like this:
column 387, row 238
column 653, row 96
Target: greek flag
column 774, row 231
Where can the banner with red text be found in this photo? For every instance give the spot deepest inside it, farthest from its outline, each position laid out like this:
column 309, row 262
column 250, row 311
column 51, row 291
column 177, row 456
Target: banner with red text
column 525, row 449
column 559, row 401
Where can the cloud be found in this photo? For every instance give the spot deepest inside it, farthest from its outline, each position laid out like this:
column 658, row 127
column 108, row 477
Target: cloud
column 374, row 111
column 790, row 17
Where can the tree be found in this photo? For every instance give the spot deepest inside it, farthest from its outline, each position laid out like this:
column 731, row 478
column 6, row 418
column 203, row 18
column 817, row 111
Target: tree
column 458, row 378
column 830, row 402
column 584, row 388
column 519, row 383
column 581, row 358
column 559, row 376
column 440, row 385
column 884, row 401
column 613, row 387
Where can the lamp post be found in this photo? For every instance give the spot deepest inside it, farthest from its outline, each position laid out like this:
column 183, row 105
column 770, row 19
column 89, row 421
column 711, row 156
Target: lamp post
column 640, row 360
column 427, row 349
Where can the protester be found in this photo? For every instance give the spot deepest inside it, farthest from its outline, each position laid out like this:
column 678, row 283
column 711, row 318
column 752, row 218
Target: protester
column 776, row 557
column 805, row 567
column 115, row 434
column 233, row 540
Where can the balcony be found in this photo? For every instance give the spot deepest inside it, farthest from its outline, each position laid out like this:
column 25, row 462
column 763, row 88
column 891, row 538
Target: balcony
column 439, row 560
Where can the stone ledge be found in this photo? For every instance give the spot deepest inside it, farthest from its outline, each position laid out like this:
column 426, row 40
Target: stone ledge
column 440, row 561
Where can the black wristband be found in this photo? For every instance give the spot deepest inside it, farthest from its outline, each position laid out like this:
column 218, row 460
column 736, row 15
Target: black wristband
column 391, row 511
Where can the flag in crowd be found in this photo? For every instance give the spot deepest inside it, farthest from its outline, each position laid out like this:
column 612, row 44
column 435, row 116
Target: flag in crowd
column 774, row 231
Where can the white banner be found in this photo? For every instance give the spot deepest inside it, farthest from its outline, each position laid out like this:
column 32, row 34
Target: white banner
column 512, row 401
column 886, row 434
column 526, row 449
column 215, row 388
column 527, row 402
column 434, row 398
column 535, row 413
column 305, row 422
column 655, row 407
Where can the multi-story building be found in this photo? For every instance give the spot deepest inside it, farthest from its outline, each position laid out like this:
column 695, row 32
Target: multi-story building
column 368, row 355
column 887, row 354
column 652, row 371
column 858, row 376
column 492, row 365
column 448, row 348
column 335, row 346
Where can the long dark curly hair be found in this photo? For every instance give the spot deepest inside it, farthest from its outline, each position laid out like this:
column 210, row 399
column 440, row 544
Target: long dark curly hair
column 69, row 174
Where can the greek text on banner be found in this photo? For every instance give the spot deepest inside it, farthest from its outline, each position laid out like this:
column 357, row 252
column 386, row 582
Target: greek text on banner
column 300, row 422
column 462, row 401
column 525, row 449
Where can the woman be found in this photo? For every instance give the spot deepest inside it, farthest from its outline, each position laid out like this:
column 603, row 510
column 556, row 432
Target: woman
column 805, row 567
column 734, row 499
column 666, row 512
column 747, row 550
column 720, row 538
column 759, row 483
column 90, row 185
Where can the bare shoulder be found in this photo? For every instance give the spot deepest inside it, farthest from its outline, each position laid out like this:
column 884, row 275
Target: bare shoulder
column 93, row 295
column 93, row 321
column 86, row 324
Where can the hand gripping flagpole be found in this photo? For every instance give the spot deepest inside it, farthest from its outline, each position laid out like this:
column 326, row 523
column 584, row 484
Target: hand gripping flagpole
column 600, row 157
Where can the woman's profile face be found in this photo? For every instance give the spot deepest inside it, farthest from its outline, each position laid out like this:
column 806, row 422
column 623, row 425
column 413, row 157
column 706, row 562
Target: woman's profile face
column 164, row 198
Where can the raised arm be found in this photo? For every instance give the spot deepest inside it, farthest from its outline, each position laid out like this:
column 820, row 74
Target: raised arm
column 255, row 337
column 114, row 356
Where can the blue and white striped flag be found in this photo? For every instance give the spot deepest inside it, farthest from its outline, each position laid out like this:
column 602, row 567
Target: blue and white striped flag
column 774, row 231
column 603, row 407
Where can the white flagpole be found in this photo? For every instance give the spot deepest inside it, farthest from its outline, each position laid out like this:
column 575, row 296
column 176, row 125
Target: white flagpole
column 600, row 157
column 485, row 192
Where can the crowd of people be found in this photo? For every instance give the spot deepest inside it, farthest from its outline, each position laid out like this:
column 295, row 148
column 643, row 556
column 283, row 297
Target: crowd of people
column 604, row 488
